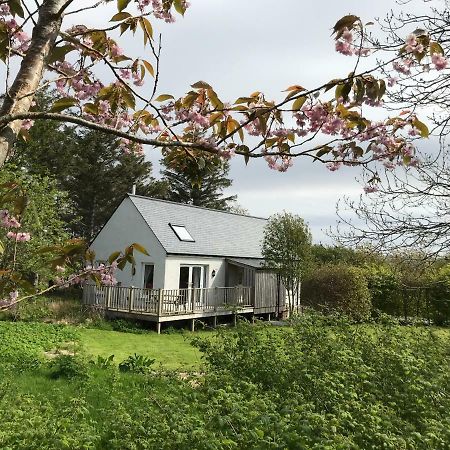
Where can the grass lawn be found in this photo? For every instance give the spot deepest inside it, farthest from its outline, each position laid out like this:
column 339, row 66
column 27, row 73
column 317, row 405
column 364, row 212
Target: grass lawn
column 172, row 351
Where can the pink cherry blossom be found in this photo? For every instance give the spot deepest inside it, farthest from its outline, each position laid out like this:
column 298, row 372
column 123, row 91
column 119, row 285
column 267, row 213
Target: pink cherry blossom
column 4, row 10
column 344, row 47
column 333, row 166
column 125, row 73
column 137, row 80
column 392, row 81
column 362, row 51
column 389, row 165
column 8, row 221
column 440, row 62
column 412, row 45
column 403, row 66
column 115, row 50
column 370, row 188
column 347, row 36
column 18, row 237
column 27, row 124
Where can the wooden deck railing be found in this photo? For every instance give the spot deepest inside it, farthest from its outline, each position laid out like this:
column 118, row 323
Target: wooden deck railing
column 166, row 302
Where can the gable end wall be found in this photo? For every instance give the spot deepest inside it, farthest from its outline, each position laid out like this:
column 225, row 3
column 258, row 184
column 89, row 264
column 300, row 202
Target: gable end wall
column 125, row 227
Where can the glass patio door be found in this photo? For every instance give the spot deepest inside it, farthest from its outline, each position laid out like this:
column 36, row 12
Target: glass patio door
column 193, row 279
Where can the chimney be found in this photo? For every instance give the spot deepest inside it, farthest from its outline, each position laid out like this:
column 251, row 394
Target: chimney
column 133, row 190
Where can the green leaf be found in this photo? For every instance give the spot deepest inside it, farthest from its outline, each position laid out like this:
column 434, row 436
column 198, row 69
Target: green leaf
column 215, row 116
column 214, row 99
column 122, row 4
column 436, row 48
column 244, row 100
column 113, row 257
column 201, row 85
column 324, row 150
column 358, row 152
column 129, row 99
column 59, row 53
column 2, row 248
column 139, row 248
column 149, row 67
column 146, row 28
column 342, row 90
column 179, row 6
column 16, row 8
column 64, row 103
column 424, row 132
column 332, row 83
column 120, row 16
column 345, row 22
column 359, row 90
column 298, row 103
column 293, row 90
column 164, row 97
column 90, row 108
column 382, row 89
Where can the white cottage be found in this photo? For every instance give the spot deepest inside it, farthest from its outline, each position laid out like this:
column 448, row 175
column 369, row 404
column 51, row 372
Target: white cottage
column 201, row 262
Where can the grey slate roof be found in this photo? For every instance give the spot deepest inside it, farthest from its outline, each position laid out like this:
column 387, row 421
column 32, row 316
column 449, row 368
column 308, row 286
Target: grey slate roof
column 216, row 233
column 250, row 262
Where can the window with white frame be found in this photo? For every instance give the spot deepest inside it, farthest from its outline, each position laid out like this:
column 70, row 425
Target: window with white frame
column 182, row 233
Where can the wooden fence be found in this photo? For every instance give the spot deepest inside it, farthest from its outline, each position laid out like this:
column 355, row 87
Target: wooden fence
column 167, row 302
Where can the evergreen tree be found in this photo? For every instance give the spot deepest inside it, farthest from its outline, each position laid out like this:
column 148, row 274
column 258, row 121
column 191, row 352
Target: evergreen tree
column 89, row 166
column 197, row 180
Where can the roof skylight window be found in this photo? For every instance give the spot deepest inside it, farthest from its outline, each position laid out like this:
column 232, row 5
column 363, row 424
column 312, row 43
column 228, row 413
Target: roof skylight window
column 182, row 233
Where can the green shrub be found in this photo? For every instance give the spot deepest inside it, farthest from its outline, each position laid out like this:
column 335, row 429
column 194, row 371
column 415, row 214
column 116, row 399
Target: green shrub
column 103, row 363
column 137, row 364
column 385, row 289
column 338, row 288
column 439, row 296
column 331, row 384
column 69, row 366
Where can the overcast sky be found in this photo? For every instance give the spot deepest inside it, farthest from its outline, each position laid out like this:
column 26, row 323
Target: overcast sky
column 240, row 46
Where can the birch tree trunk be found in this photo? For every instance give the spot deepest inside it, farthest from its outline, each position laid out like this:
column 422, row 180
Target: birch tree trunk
column 19, row 97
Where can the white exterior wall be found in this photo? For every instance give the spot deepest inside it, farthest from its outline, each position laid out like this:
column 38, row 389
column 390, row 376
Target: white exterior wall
column 173, row 263
column 125, row 227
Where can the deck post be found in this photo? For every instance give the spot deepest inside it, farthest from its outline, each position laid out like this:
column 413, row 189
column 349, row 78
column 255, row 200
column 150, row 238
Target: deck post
column 216, row 300
column 130, row 299
column 108, row 298
column 158, row 327
column 234, row 319
column 160, row 303
column 192, row 325
column 193, row 300
column 215, row 321
column 268, row 317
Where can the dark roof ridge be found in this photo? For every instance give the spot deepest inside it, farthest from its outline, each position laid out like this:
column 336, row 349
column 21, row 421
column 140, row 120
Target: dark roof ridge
column 194, row 206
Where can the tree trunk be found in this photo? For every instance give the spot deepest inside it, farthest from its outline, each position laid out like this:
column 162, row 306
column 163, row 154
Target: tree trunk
column 20, row 97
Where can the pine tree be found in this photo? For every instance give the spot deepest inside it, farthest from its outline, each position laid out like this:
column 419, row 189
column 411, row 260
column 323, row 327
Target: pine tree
column 198, row 181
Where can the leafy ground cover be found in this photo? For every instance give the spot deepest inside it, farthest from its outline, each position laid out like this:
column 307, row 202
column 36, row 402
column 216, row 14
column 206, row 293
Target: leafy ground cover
column 22, row 345
column 322, row 384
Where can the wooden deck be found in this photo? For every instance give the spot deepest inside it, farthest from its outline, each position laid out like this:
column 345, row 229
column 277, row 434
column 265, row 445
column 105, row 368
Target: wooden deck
column 165, row 305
